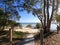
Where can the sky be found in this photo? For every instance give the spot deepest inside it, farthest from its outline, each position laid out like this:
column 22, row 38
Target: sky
column 28, row 17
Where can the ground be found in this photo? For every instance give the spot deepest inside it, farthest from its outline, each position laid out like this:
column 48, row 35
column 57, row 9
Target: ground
column 53, row 39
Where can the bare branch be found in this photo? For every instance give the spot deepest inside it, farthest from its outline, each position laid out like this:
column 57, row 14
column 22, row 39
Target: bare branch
column 40, row 19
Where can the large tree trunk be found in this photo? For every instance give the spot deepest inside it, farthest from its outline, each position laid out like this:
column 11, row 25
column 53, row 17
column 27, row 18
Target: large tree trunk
column 48, row 25
column 47, row 19
column 44, row 24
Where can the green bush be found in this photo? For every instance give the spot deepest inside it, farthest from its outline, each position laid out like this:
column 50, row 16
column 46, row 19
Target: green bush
column 18, row 34
column 29, row 25
column 20, row 26
column 38, row 25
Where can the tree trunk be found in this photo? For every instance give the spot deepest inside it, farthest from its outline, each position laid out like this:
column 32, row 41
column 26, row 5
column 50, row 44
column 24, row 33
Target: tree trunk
column 57, row 29
column 41, row 37
column 48, row 25
column 10, row 36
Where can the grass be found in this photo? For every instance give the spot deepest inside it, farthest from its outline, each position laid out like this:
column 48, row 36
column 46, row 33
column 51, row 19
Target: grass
column 17, row 36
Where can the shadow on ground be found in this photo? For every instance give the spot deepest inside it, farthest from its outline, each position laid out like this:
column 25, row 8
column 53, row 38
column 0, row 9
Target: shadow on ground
column 25, row 41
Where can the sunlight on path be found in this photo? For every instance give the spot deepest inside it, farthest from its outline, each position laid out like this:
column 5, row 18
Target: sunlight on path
column 30, row 43
column 27, row 41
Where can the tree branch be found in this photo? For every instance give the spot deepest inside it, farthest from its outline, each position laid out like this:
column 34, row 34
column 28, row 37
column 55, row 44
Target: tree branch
column 44, row 14
column 47, row 13
column 52, row 10
column 40, row 19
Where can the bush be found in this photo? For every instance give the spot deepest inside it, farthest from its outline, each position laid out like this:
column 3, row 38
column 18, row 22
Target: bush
column 20, row 26
column 29, row 25
column 18, row 34
column 38, row 25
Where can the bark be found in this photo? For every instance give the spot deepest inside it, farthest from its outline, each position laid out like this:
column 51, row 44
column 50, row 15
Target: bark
column 52, row 11
column 40, row 20
column 41, row 37
column 10, row 34
column 56, row 7
column 56, row 14
column 10, row 37
column 49, row 21
column 48, row 26
column 44, row 25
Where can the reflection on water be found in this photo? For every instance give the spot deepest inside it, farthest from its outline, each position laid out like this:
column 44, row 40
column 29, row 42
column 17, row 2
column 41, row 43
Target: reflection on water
column 53, row 26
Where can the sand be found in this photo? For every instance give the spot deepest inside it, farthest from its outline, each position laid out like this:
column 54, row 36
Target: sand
column 25, row 29
column 29, row 30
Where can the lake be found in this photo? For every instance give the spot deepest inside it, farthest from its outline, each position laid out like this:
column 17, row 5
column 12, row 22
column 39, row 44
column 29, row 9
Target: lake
column 52, row 27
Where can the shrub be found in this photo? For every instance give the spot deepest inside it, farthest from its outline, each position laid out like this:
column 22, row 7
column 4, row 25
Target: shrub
column 18, row 34
column 38, row 25
column 29, row 25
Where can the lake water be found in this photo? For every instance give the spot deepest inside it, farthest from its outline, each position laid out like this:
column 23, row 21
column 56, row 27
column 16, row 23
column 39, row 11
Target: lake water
column 25, row 24
column 53, row 26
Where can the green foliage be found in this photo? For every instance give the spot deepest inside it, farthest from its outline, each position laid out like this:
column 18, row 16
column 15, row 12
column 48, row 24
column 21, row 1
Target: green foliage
column 29, row 25
column 57, row 18
column 29, row 5
column 1, row 11
column 18, row 24
column 38, row 25
column 6, row 18
column 3, row 18
column 11, row 22
column 18, row 34
column 3, row 15
column 13, row 12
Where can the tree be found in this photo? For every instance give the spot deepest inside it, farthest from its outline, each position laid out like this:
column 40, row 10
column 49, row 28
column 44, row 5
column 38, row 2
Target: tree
column 3, row 18
column 43, row 12
column 18, row 25
column 9, row 9
column 29, row 25
column 38, row 25
column 40, row 8
column 57, row 17
column 11, row 12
